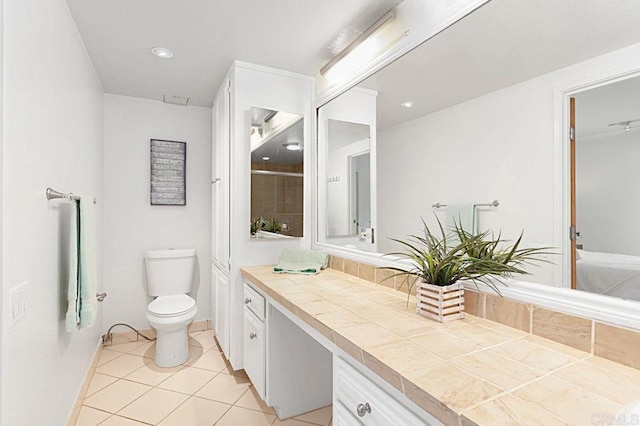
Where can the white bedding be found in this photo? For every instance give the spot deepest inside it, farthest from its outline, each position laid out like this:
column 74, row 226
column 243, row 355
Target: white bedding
column 607, row 273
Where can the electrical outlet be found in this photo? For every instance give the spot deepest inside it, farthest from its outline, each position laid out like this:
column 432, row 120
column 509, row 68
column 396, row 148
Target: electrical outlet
column 18, row 297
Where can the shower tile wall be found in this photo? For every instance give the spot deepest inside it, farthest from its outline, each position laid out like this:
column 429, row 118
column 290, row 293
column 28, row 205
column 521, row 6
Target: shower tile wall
column 278, row 196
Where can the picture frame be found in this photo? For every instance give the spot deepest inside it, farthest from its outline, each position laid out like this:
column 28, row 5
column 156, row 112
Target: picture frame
column 168, row 173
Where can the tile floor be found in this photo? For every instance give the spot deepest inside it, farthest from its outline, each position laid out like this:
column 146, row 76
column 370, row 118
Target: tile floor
column 128, row 389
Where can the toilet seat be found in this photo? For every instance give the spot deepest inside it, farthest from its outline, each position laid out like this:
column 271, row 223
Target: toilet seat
column 171, row 306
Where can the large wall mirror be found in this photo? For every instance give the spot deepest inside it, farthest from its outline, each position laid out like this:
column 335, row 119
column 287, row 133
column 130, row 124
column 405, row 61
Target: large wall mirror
column 277, row 164
column 471, row 116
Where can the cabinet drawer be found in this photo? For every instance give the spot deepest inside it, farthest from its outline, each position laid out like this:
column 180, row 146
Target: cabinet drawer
column 354, row 390
column 254, row 301
column 254, row 351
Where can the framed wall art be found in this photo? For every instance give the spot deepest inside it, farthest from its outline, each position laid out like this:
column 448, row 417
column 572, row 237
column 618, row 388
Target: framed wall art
column 168, row 173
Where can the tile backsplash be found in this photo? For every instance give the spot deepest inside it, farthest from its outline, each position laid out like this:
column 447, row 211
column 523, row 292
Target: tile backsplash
column 603, row 340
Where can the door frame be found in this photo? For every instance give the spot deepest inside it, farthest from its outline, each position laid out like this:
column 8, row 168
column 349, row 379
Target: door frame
column 563, row 169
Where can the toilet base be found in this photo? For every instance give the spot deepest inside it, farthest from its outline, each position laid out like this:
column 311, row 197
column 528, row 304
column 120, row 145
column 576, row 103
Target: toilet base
column 172, row 346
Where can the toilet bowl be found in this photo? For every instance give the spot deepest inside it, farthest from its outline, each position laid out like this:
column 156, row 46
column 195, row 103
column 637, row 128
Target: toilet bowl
column 170, row 277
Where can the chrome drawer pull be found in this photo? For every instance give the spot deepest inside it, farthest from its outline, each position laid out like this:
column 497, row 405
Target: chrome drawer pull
column 247, row 300
column 253, row 336
column 363, row 409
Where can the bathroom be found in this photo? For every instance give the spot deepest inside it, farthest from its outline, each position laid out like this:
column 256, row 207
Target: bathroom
column 83, row 96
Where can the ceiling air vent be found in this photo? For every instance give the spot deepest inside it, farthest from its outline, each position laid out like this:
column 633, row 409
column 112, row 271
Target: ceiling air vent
column 176, row 100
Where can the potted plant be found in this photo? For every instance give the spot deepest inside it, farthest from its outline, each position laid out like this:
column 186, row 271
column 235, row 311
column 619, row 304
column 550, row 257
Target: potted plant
column 440, row 263
column 258, row 224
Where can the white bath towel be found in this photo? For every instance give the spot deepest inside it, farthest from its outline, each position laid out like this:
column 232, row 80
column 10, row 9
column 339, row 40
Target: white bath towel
column 462, row 215
column 81, row 294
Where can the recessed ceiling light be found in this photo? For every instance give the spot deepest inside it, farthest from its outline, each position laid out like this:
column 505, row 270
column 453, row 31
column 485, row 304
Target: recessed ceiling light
column 162, row 52
column 266, row 158
column 407, row 104
column 294, row 146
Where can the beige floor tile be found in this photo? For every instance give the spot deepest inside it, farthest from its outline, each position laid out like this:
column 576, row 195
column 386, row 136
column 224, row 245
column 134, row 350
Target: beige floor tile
column 123, row 337
column 127, row 347
column 117, row 395
column 188, row 380
column 444, row 345
column 237, row 416
column 204, row 339
column 532, row 355
column 224, row 388
column 496, row 369
column 210, row 360
column 152, row 375
column 291, row 422
column 196, row 412
column 147, row 350
column 90, row 416
column 321, row 416
column 107, row 355
column 251, row 400
column 99, row 381
column 121, row 421
column 123, row 365
column 153, row 406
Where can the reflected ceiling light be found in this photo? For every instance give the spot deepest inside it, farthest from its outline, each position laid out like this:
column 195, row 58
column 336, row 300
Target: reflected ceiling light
column 360, row 50
column 162, row 52
column 407, row 104
column 293, row 146
column 266, row 158
column 626, row 125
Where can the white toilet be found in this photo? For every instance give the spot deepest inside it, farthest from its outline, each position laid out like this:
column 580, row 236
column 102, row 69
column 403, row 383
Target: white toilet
column 170, row 277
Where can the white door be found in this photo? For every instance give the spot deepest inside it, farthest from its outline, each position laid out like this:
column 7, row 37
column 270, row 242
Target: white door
column 221, row 310
column 220, row 177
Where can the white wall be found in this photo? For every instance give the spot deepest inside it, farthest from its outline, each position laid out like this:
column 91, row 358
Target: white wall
column 133, row 224
column 499, row 146
column 607, row 201
column 53, row 137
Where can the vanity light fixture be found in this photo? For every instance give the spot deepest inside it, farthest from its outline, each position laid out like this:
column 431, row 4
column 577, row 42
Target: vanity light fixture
column 162, row 52
column 293, row 146
column 407, row 104
column 266, row 158
column 366, row 36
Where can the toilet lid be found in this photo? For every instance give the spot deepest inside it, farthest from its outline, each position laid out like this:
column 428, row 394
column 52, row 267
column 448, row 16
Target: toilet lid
column 169, row 306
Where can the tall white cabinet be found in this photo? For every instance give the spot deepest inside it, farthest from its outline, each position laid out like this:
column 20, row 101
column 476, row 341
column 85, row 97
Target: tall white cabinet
column 247, row 86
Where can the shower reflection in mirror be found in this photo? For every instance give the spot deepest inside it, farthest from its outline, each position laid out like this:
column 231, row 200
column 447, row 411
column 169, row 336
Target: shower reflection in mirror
column 277, row 163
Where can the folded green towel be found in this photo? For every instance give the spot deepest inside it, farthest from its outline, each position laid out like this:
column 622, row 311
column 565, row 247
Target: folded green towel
column 308, row 262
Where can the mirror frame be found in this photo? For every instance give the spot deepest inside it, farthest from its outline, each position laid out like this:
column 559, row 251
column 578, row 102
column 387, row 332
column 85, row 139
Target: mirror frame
column 602, row 308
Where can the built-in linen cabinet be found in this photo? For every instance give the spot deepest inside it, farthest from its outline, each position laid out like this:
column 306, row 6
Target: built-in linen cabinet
column 254, row 339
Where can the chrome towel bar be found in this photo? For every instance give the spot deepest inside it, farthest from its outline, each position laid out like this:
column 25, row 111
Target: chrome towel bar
column 52, row 194
column 494, row 203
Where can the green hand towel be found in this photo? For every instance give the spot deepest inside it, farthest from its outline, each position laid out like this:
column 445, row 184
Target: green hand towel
column 307, row 262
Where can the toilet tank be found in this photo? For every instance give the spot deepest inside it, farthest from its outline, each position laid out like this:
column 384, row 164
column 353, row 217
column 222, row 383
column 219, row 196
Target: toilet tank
column 170, row 272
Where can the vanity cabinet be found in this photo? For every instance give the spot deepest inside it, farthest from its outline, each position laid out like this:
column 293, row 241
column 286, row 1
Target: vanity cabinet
column 358, row 400
column 254, row 339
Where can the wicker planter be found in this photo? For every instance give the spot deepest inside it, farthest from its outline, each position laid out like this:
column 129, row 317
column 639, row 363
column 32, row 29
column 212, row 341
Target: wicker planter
column 440, row 303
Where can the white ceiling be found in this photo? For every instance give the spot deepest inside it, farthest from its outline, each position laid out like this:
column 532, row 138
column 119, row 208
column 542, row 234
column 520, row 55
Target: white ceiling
column 502, row 43
column 344, row 133
column 207, row 35
column 275, row 150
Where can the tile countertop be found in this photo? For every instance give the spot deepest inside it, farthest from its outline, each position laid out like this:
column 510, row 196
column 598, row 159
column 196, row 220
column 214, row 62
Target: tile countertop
column 469, row 371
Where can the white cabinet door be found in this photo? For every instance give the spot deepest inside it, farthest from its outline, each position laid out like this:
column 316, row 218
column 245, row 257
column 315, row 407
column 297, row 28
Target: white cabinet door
column 221, row 320
column 220, row 177
column 254, row 351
